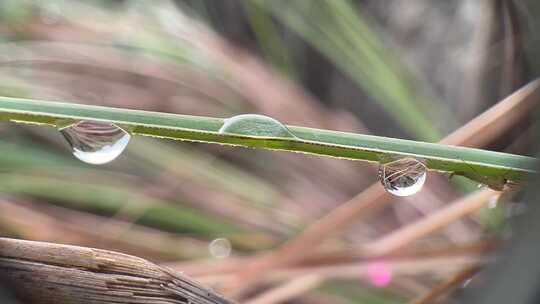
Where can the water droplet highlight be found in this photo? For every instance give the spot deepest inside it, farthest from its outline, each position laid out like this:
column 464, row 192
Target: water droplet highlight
column 255, row 125
column 403, row 177
column 96, row 142
column 220, row 248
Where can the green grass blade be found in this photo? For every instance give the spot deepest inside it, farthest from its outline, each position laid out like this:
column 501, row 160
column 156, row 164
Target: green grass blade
column 269, row 39
column 491, row 168
column 338, row 31
column 109, row 200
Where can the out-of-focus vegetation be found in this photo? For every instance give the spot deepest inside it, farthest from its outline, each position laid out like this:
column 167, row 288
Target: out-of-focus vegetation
column 395, row 68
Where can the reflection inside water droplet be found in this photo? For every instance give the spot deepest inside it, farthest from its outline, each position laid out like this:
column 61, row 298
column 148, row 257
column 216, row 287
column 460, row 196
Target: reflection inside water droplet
column 255, row 125
column 403, row 177
column 96, row 142
column 220, row 248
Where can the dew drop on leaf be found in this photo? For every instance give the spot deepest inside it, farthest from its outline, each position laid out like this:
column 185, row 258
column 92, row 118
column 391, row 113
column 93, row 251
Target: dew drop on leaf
column 403, row 177
column 220, row 248
column 255, row 125
column 96, row 142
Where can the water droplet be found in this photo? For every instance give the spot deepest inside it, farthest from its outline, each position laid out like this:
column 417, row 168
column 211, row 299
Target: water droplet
column 255, row 125
column 403, row 177
column 220, row 248
column 96, row 142
column 379, row 274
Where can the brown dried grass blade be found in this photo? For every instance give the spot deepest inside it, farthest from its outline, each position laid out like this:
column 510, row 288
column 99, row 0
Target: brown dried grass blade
column 481, row 130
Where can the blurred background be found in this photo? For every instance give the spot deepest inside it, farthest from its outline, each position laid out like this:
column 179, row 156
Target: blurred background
column 414, row 69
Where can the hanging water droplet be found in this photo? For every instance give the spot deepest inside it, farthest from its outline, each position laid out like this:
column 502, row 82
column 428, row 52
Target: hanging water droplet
column 220, row 248
column 96, row 142
column 255, row 125
column 403, row 177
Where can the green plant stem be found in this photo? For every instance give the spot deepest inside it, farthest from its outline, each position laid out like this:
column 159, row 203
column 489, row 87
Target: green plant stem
column 487, row 167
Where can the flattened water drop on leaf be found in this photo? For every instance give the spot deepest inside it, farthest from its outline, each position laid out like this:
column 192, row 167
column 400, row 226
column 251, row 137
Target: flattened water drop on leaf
column 96, row 142
column 255, row 125
column 403, row 177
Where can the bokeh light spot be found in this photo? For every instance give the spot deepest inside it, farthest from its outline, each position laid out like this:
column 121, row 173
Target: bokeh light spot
column 379, row 274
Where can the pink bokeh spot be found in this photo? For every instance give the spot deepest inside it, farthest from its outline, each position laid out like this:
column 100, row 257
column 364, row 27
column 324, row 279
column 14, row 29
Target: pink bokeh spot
column 379, row 274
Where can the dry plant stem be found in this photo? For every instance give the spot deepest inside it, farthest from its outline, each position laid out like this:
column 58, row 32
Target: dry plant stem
column 496, row 120
column 370, row 199
column 43, row 273
column 447, row 286
column 35, row 223
column 477, row 132
column 234, row 265
column 441, row 266
column 412, row 265
column 430, row 224
column 288, row 290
